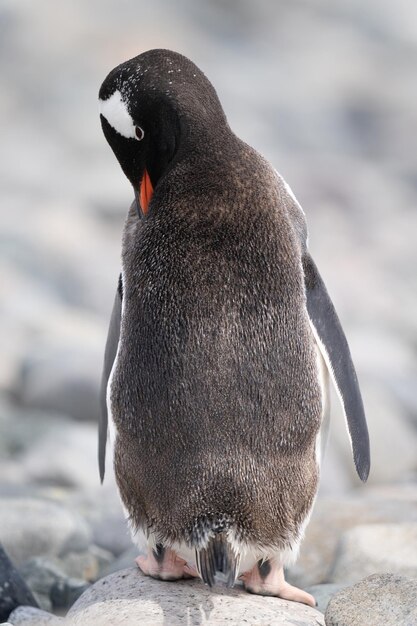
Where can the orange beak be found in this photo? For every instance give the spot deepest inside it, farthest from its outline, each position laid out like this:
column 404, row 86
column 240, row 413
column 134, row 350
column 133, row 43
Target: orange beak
column 146, row 191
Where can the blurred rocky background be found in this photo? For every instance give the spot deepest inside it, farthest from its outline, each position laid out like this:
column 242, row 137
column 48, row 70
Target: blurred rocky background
column 328, row 92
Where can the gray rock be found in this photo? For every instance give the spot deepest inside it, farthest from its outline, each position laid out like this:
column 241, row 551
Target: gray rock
column 64, row 593
column 124, row 561
column 376, row 548
column 104, row 559
column 63, row 379
column 385, row 414
column 20, row 428
column 57, row 583
column 111, row 532
column 50, row 460
column 14, row 591
column 100, row 506
column 29, row 616
column 405, row 390
column 128, row 597
column 31, row 527
column 323, row 593
column 43, row 601
column 102, row 510
column 40, row 574
column 38, row 447
column 333, row 516
column 50, row 584
column 380, row 600
column 86, row 564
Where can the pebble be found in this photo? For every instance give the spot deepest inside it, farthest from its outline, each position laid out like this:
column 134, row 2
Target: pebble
column 124, row 561
column 29, row 616
column 34, row 527
column 13, row 589
column 111, row 532
column 129, row 597
column 333, row 516
column 51, row 585
column 21, row 428
column 63, row 593
column 323, row 593
column 383, row 410
column 378, row 600
column 63, row 379
column 51, row 460
column 100, row 506
column 37, row 447
column 40, row 574
column 83, row 564
column 360, row 554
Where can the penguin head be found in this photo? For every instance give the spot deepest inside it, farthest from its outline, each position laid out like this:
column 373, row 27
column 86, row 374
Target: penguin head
column 154, row 109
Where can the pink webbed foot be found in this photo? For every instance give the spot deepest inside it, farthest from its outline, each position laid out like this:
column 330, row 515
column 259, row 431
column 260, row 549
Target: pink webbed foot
column 165, row 564
column 266, row 578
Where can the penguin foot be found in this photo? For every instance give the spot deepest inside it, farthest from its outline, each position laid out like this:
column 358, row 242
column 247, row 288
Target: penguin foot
column 165, row 564
column 266, row 578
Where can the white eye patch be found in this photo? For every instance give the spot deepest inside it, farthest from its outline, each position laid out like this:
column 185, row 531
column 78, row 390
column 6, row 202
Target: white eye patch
column 117, row 115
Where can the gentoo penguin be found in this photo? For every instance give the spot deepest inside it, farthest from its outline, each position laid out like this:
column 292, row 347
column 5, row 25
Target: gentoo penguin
column 221, row 337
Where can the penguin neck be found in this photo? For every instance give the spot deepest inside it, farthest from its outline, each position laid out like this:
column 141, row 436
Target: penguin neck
column 196, row 146
column 204, row 143
column 201, row 169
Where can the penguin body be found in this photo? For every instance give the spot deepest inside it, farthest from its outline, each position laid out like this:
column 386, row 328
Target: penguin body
column 214, row 377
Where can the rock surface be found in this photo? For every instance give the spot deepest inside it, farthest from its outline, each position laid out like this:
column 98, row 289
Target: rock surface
column 333, row 516
column 31, row 527
column 64, row 379
column 379, row 600
column 28, row 616
column 51, row 460
column 39, row 448
column 124, row 561
column 52, row 586
column 360, row 553
column 128, row 597
column 323, row 594
column 13, row 589
column 111, row 533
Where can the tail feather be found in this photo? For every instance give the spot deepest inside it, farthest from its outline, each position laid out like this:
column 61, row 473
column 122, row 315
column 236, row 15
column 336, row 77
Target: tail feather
column 217, row 556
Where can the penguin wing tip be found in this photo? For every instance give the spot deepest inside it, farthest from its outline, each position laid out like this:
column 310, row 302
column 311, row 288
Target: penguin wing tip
column 363, row 469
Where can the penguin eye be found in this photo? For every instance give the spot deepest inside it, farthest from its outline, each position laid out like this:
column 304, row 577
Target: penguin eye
column 139, row 132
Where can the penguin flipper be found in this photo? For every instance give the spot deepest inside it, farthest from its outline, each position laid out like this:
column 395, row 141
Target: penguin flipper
column 336, row 354
column 109, row 357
